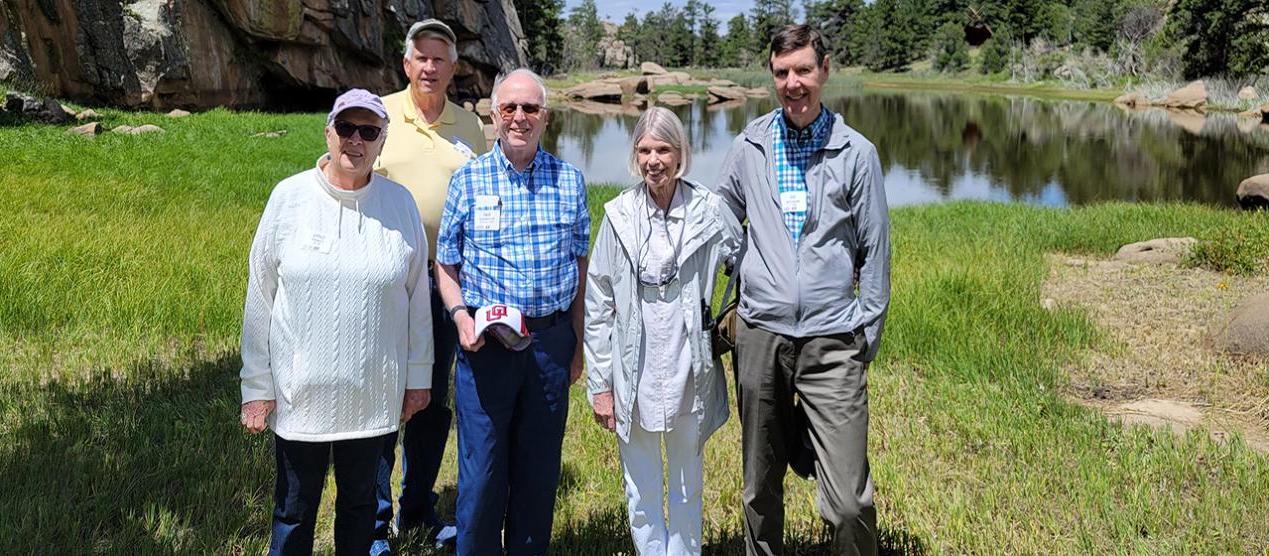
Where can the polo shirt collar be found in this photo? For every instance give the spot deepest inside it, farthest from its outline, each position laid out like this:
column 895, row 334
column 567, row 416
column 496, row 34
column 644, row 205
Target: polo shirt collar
column 411, row 111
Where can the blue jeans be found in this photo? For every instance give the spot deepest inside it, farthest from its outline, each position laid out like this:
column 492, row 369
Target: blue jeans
column 301, row 474
column 423, row 442
column 512, row 407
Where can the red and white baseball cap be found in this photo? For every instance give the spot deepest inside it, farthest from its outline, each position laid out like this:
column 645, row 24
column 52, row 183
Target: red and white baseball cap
column 504, row 323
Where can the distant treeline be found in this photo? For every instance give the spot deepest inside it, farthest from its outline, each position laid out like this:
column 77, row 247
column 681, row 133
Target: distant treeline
column 1191, row 38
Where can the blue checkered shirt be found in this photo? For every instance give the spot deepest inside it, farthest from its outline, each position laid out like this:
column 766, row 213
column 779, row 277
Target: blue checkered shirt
column 530, row 261
column 793, row 150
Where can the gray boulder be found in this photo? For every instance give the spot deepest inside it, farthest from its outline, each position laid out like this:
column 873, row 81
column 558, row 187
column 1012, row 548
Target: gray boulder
column 1253, row 192
column 138, row 130
column 651, row 68
column 1191, row 96
column 86, row 130
column 28, row 107
column 1245, row 331
column 1168, row 250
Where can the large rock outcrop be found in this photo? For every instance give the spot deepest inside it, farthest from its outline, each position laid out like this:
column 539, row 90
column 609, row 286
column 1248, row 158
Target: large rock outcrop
column 614, row 52
column 244, row 53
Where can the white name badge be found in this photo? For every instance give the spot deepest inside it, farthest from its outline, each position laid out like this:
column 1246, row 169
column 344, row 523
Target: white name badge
column 320, row 243
column 488, row 213
column 462, row 148
column 793, row 201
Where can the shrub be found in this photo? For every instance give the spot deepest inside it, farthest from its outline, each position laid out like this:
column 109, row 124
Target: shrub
column 1237, row 250
column 995, row 55
column 950, row 53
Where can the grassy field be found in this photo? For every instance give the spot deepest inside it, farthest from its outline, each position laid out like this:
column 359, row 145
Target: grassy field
column 122, row 274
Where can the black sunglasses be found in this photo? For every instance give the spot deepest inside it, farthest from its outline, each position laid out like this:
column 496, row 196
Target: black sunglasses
column 508, row 109
column 346, row 129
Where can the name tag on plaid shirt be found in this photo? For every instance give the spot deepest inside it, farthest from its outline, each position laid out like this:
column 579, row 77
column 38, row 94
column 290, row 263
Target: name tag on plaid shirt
column 488, row 213
column 793, row 201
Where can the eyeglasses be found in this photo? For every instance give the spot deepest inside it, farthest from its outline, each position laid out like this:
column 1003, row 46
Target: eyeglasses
column 508, row 109
column 346, row 129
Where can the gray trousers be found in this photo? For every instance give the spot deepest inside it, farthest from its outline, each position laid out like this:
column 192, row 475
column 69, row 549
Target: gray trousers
column 832, row 383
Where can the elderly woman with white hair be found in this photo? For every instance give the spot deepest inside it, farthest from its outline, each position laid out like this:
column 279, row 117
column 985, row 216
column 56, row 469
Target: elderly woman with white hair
column 337, row 328
column 652, row 377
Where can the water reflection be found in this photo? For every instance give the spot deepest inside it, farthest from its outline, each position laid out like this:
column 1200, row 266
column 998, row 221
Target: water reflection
column 936, row 147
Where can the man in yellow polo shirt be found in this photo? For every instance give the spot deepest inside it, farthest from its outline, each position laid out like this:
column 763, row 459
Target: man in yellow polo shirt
column 429, row 138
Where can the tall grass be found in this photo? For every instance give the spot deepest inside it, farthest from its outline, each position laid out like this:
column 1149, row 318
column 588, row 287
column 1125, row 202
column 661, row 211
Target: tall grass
column 122, row 271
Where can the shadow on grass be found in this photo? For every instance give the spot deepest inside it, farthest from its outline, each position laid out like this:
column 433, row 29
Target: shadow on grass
column 608, row 532
column 144, row 460
column 891, row 543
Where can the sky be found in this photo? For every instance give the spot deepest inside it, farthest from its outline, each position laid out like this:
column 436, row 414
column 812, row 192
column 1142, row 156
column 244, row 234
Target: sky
column 616, row 10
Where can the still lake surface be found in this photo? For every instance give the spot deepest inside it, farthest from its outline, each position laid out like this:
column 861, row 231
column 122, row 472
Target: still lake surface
column 938, row 146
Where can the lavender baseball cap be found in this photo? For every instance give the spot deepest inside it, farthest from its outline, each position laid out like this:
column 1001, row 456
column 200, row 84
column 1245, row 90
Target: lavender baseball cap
column 358, row 98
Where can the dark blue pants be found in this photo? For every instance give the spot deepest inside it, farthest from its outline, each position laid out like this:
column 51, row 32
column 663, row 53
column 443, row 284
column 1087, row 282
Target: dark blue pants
column 423, row 442
column 512, row 407
column 301, row 469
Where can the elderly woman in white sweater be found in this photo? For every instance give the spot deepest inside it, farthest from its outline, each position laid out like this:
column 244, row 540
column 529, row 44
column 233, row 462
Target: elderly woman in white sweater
column 652, row 377
column 336, row 334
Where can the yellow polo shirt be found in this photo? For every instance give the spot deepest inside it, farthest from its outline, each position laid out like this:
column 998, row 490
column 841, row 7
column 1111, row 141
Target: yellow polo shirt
column 422, row 156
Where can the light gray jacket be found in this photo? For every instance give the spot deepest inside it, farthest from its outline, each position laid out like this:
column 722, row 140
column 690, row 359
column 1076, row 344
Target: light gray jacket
column 809, row 289
column 614, row 322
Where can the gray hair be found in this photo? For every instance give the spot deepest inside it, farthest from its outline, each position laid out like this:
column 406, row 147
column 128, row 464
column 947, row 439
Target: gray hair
column 663, row 125
column 429, row 34
column 493, row 96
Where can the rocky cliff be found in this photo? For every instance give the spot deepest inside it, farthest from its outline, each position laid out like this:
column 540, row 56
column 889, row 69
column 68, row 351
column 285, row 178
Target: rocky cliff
column 287, row 54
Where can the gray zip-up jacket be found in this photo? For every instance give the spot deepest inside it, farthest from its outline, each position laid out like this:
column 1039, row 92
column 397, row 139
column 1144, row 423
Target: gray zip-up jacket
column 809, row 289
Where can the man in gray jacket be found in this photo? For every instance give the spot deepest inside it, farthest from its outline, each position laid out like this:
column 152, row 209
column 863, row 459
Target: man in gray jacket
column 812, row 190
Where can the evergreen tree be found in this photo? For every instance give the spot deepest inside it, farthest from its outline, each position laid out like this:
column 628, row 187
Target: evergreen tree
column 950, row 53
column 735, row 49
column 677, row 36
column 691, row 15
column 540, row 20
column 768, row 17
column 1020, row 16
column 1222, row 36
column 1094, row 23
column 707, row 53
column 1057, row 23
column 995, row 54
column 833, row 19
column 897, row 42
column 581, row 38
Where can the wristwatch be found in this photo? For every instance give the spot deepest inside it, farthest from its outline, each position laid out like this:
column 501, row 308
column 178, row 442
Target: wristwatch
column 455, row 309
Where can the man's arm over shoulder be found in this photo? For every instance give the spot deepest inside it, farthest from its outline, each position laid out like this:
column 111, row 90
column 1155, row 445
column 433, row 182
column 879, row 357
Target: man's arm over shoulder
column 731, row 179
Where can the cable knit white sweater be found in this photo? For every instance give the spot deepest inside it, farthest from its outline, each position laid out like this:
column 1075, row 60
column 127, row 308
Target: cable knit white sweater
column 338, row 320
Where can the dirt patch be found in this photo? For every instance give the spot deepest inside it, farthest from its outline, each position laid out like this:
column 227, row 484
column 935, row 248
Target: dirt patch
column 1159, row 368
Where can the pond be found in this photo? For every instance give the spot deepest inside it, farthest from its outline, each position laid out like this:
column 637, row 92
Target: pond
column 944, row 146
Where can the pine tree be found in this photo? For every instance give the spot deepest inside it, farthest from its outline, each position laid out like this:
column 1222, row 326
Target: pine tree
column 735, row 49
column 950, row 53
column 581, row 38
column 707, row 53
column 768, row 17
column 833, row 19
column 540, row 20
column 1222, row 36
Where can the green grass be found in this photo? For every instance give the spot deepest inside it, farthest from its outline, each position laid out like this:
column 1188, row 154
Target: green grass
column 122, row 273
column 1242, row 249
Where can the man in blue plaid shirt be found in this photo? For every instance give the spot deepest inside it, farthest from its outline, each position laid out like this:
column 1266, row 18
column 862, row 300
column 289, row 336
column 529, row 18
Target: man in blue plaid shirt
column 514, row 231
